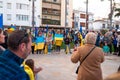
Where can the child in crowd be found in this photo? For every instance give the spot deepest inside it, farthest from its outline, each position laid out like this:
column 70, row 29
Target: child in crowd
column 106, row 49
column 30, row 69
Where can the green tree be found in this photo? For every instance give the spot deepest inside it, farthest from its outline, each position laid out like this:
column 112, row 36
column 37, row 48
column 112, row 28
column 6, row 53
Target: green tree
column 118, row 12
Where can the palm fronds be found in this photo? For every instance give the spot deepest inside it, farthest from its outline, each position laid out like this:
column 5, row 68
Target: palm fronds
column 118, row 12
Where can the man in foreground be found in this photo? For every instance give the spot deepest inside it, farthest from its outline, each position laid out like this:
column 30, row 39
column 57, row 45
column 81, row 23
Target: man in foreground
column 19, row 47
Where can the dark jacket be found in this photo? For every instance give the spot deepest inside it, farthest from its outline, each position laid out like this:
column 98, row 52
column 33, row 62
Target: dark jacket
column 67, row 40
column 10, row 67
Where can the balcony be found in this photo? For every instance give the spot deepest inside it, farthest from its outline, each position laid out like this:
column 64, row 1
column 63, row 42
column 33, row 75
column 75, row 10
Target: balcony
column 50, row 21
column 50, row 13
column 51, row 6
column 52, row 2
column 46, row 11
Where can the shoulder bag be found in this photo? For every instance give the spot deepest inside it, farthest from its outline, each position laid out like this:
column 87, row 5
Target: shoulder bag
column 84, row 59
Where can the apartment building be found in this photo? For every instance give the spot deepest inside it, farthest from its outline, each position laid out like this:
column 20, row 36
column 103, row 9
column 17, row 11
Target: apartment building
column 57, row 13
column 79, row 20
column 54, row 13
column 19, row 12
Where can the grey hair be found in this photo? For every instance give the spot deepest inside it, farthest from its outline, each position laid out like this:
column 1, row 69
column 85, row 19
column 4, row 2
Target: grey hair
column 90, row 38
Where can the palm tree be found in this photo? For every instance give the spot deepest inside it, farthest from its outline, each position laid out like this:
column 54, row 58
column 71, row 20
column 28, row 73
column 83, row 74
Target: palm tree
column 118, row 12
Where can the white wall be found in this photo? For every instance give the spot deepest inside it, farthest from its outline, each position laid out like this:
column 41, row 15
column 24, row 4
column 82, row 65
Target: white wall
column 77, row 15
column 97, row 25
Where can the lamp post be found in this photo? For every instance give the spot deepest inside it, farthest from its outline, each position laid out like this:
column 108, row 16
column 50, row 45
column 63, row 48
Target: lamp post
column 65, row 14
column 33, row 13
column 86, row 14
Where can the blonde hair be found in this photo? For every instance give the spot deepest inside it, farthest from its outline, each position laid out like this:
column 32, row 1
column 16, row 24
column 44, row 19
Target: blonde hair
column 90, row 38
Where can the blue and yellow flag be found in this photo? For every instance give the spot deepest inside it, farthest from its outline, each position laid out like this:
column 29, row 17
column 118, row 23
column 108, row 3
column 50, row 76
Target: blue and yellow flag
column 58, row 39
column 58, row 36
column 40, row 41
column 11, row 28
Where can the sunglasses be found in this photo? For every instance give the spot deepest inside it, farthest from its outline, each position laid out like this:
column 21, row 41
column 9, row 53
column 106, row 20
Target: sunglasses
column 25, row 36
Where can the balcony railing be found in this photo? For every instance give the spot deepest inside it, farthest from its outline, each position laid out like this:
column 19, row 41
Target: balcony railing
column 49, row 1
column 50, row 21
column 51, row 13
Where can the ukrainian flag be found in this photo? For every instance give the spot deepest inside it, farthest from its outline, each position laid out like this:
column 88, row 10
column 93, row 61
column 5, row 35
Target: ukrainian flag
column 11, row 29
column 39, row 42
column 58, row 39
column 58, row 36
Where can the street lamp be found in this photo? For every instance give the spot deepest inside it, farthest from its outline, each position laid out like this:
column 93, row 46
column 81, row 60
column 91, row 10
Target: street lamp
column 65, row 14
column 33, row 13
column 86, row 14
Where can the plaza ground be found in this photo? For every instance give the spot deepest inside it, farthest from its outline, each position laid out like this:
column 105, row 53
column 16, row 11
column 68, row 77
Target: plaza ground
column 59, row 66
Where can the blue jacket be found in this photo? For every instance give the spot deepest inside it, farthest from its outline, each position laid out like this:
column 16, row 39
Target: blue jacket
column 10, row 67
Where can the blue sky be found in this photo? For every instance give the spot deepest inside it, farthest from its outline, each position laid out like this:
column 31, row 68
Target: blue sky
column 100, row 9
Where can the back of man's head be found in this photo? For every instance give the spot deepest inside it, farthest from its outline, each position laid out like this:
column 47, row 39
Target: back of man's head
column 16, row 38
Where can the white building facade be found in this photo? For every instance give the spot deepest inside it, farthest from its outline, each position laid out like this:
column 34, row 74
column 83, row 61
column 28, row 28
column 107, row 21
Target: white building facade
column 104, row 24
column 19, row 12
column 79, row 19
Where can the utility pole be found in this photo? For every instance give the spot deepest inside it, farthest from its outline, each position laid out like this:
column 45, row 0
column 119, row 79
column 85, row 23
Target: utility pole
column 65, row 14
column 86, row 14
column 110, row 15
column 33, row 13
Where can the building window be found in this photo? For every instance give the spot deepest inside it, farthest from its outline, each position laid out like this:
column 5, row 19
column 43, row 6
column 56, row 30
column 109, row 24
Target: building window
column 1, row 4
column 9, row 17
column 20, row 17
column 55, row 0
column 67, row 11
column 82, row 24
column 8, row 5
column 117, row 26
column 103, row 25
column 73, row 16
column 22, row 6
column 66, row 22
column 82, row 16
column 18, row 6
column 67, row 1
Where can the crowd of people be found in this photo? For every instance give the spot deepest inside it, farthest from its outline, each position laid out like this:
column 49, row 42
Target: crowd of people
column 17, row 45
